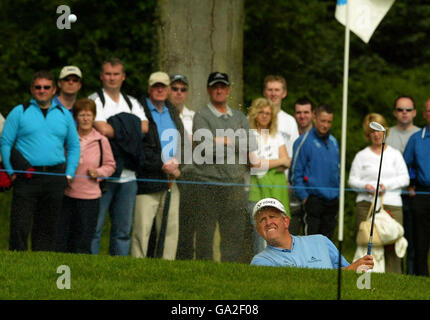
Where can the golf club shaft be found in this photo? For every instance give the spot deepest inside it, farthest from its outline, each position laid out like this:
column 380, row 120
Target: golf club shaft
column 369, row 247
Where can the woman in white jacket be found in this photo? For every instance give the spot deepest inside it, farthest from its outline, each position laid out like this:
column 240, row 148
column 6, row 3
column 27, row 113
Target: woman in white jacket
column 394, row 176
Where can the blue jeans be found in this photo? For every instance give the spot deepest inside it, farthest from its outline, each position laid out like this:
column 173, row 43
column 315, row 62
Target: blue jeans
column 259, row 243
column 119, row 199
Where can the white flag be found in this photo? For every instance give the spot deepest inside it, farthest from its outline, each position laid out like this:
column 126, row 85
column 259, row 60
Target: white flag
column 364, row 16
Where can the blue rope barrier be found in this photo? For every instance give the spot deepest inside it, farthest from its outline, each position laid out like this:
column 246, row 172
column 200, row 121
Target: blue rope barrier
column 214, row 183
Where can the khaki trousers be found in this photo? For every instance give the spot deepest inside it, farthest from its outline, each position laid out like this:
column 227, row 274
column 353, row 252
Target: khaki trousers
column 392, row 262
column 148, row 207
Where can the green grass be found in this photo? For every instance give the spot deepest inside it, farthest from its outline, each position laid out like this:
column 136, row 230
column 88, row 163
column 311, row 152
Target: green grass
column 33, row 275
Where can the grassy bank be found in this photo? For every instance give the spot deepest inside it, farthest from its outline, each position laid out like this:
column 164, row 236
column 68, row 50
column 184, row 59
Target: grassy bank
column 32, row 275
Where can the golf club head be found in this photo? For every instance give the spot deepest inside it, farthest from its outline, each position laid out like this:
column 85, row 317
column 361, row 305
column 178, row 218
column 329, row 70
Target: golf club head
column 378, row 127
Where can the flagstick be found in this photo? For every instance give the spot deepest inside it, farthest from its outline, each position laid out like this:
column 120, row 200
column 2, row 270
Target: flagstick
column 343, row 148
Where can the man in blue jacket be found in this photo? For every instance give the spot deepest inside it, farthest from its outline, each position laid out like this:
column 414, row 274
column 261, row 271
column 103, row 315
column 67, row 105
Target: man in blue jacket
column 314, row 174
column 40, row 132
column 417, row 156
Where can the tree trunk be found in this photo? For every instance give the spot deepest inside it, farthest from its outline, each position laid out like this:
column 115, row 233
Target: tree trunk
column 197, row 37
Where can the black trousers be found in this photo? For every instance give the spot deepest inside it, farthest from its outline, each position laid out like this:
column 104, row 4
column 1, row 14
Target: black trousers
column 408, row 227
column 420, row 206
column 188, row 221
column 77, row 225
column 226, row 205
column 36, row 203
column 320, row 216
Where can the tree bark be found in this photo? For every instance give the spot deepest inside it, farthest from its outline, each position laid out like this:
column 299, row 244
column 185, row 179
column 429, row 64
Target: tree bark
column 197, row 37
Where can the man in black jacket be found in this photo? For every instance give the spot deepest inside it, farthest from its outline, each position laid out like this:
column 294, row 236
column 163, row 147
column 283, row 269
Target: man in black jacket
column 163, row 146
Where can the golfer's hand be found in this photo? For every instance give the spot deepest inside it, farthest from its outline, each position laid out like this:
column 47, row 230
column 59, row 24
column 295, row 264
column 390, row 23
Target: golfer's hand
column 365, row 262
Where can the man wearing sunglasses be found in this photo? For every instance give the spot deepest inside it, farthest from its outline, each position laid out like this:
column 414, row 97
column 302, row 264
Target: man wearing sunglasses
column 187, row 218
column 35, row 137
column 69, row 82
column 405, row 112
column 178, row 95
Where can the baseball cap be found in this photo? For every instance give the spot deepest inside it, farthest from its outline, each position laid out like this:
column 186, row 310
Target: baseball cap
column 159, row 77
column 68, row 70
column 268, row 202
column 216, row 77
column 179, row 77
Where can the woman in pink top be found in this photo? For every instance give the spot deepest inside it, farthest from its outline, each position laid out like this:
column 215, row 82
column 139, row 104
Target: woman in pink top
column 78, row 219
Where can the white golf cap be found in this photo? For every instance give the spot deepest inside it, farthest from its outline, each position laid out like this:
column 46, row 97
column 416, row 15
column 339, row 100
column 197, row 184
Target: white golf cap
column 68, row 70
column 159, row 77
column 269, row 202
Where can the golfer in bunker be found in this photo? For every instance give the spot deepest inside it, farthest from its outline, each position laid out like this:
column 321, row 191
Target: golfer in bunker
column 286, row 250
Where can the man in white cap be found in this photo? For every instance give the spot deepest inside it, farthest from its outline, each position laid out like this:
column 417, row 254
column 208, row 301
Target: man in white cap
column 161, row 145
column 285, row 250
column 69, row 82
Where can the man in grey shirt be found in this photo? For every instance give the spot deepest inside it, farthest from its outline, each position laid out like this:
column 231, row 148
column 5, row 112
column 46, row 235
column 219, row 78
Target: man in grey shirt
column 405, row 112
column 220, row 154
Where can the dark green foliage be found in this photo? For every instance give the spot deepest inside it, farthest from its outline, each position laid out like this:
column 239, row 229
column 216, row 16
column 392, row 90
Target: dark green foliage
column 30, row 41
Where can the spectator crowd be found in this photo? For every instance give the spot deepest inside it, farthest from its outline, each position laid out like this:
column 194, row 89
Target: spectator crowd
column 169, row 176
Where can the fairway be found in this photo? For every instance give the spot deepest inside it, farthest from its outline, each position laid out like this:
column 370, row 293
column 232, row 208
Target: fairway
column 33, row 276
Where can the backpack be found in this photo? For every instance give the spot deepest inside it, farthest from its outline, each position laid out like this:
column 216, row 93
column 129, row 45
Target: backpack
column 102, row 98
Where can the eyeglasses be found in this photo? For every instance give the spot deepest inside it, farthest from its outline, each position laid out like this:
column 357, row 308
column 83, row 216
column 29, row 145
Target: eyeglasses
column 409, row 109
column 44, row 87
column 74, row 79
column 181, row 89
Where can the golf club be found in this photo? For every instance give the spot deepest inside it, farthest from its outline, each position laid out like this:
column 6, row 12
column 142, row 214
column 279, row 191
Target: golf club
column 377, row 127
